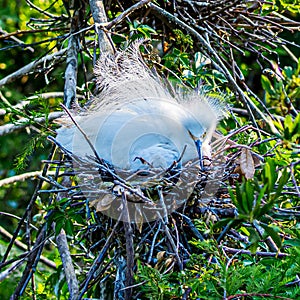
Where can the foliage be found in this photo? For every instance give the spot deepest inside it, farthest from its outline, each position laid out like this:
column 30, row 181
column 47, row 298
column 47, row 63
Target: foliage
column 211, row 275
column 252, row 253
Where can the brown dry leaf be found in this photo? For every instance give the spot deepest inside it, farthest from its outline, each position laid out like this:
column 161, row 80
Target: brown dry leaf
column 257, row 161
column 247, row 163
column 103, row 203
column 160, row 256
column 169, row 261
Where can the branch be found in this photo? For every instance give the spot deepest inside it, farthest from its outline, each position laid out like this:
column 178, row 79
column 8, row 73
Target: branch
column 63, row 248
column 72, row 63
column 32, row 262
column 18, row 178
column 23, row 103
column 31, row 66
column 5, row 35
column 126, row 13
column 258, row 253
column 44, row 12
column 129, row 248
column 99, row 16
column 24, row 247
column 9, row 128
column 98, row 260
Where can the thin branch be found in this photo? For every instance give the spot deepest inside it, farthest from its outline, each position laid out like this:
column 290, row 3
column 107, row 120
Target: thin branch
column 21, row 177
column 31, row 66
column 23, row 247
column 44, row 12
column 11, row 35
column 98, row 260
column 129, row 248
column 28, row 208
column 258, row 253
column 32, row 262
column 24, row 122
column 126, row 13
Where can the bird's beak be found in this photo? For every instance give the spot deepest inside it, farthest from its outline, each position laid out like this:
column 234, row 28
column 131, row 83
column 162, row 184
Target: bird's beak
column 198, row 142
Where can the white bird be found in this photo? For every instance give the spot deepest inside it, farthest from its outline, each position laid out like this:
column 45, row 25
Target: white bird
column 137, row 124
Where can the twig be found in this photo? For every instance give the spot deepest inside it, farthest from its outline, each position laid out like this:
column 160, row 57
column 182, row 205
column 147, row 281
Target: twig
column 25, row 122
column 218, row 63
column 129, row 247
column 193, row 228
column 32, row 262
column 258, row 253
column 23, row 103
column 21, row 177
column 31, row 66
column 44, row 12
column 126, row 13
column 22, row 246
column 164, row 222
column 6, row 35
column 98, row 260
column 11, row 269
column 28, row 208
column 153, row 243
column 120, row 280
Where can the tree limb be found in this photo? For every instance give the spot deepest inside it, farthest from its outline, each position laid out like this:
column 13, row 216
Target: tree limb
column 23, row 247
column 99, row 16
column 10, row 128
column 31, row 66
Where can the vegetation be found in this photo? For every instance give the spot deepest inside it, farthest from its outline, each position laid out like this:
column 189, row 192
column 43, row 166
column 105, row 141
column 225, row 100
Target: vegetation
column 242, row 242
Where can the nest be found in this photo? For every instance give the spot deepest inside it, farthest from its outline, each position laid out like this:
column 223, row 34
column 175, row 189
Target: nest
column 123, row 233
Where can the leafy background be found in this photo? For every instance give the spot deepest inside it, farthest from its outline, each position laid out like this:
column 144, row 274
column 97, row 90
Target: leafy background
column 252, row 255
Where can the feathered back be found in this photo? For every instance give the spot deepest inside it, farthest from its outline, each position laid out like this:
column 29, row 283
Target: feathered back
column 124, row 78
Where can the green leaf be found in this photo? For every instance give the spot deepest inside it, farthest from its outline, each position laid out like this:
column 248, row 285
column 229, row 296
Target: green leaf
column 184, row 59
column 249, row 190
column 270, row 175
column 245, row 204
column 69, row 227
column 59, row 225
column 293, row 243
column 288, row 127
column 267, row 86
column 237, row 200
column 257, row 208
column 273, row 233
column 288, row 71
column 56, row 215
column 282, row 181
column 266, row 208
column 78, row 218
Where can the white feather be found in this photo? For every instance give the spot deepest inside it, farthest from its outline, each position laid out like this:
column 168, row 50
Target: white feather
column 135, row 115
